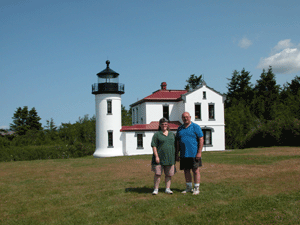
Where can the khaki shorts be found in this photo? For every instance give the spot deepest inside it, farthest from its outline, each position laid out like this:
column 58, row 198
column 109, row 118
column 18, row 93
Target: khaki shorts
column 168, row 170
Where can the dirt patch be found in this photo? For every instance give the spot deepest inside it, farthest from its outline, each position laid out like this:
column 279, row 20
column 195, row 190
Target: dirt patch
column 277, row 151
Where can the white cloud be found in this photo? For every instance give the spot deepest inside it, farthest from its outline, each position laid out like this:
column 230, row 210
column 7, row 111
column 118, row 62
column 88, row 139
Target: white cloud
column 284, row 44
column 244, row 43
column 284, row 59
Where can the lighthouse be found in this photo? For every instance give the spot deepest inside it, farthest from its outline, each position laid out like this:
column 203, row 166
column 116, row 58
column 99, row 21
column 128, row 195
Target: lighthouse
column 108, row 93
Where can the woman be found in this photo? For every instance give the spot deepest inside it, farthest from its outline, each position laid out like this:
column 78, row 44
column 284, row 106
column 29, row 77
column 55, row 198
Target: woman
column 163, row 158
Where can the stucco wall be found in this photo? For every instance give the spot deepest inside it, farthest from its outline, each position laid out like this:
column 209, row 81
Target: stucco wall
column 218, row 138
column 108, row 122
column 211, row 98
column 154, row 111
column 131, row 143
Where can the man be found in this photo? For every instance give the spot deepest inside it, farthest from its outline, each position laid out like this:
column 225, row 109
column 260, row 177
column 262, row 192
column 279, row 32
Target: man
column 189, row 141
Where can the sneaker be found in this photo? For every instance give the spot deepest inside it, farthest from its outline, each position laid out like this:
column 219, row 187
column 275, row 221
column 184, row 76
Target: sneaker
column 188, row 189
column 155, row 192
column 168, row 191
column 196, row 191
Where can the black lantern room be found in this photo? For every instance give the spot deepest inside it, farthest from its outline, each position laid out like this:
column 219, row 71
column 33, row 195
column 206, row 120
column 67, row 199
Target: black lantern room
column 108, row 82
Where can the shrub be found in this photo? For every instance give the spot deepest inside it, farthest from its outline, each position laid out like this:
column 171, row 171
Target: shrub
column 62, row 151
column 274, row 133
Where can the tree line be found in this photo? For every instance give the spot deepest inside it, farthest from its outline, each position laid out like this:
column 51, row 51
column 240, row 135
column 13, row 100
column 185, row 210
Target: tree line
column 30, row 140
column 28, row 130
column 261, row 114
column 256, row 115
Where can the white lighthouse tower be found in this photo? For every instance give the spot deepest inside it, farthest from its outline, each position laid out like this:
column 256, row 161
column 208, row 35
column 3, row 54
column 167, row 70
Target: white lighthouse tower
column 108, row 93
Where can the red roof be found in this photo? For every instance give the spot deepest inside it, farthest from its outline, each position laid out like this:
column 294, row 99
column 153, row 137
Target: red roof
column 163, row 95
column 153, row 126
column 166, row 95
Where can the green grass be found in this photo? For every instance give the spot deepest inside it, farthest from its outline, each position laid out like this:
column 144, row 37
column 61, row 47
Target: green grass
column 247, row 157
column 118, row 191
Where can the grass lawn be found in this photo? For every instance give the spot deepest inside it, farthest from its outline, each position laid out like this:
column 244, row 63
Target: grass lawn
column 252, row 186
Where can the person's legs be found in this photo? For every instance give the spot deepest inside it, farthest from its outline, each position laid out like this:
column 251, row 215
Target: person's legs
column 188, row 180
column 187, row 175
column 157, row 170
column 186, row 165
column 196, row 173
column 168, row 181
column 169, row 172
column 156, row 181
column 168, row 185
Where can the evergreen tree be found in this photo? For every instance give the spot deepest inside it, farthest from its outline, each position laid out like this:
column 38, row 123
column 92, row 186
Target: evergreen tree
column 239, row 121
column 126, row 117
column 20, row 125
column 50, row 125
column 33, row 120
column 24, row 121
column 51, row 129
column 266, row 96
column 290, row 98
column 239, row 88
column 294, row 86
column 193, row 82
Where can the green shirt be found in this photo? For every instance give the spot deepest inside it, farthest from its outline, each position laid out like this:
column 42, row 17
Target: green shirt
column 165, row 148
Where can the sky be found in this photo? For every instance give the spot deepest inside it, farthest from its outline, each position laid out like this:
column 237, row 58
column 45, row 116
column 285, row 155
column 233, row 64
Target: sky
column 51, row 50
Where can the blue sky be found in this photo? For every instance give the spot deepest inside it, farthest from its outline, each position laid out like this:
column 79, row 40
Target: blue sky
column 51, row 51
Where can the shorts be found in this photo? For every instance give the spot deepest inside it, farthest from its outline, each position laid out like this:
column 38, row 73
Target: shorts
column 169, row 170
column 190, row 163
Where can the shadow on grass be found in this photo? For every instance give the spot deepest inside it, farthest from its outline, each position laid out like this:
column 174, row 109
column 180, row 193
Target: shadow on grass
column 146, row 190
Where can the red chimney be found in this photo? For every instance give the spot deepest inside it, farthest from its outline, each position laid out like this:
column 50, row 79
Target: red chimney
column 163, row 86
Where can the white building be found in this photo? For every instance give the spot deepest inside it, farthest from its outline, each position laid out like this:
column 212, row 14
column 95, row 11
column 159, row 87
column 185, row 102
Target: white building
column 205, row 105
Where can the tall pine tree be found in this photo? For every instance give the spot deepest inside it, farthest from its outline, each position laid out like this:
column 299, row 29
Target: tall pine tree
column 193, row 82
column 24, row 120
column 266, row 96
column 239, row 88
column 33, row 120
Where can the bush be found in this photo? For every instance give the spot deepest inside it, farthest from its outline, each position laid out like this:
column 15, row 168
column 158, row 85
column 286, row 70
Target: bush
column 4, row 142
column 274, row 133
column 16, row 153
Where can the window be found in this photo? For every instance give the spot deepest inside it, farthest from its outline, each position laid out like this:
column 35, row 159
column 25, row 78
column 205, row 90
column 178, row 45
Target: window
column 211, row 111
column 197, row 111
column 133, row 116
column 110, row 139
column 166, row 112
column 109, row 107
column 139, row 137
column 207, row 136
column 204, row 94
column 140, row 141
column 137, row 115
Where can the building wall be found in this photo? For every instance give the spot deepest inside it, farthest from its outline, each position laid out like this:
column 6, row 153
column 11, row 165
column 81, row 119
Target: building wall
column 108, row 122
column 147, row 112
column 211, row 98
column 181, row 106
column 217, row 136
column 216, row 125
column 142, row 115
column 131, row 143
column 154, row 111
column 131, row 148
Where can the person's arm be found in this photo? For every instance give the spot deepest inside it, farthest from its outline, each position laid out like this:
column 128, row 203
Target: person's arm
column 155, row 155
column 199, row 153
column 177, row 150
